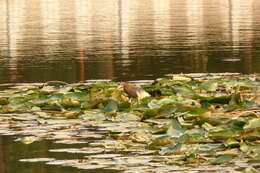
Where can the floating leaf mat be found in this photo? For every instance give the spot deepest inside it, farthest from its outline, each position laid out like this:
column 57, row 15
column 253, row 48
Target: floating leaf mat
column 191, row 123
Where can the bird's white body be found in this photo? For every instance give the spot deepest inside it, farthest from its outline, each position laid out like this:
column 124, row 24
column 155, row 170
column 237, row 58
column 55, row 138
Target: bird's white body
column 142, row 94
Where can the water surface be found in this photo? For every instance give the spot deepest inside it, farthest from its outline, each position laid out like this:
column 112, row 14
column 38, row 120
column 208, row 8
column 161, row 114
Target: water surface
column 11, row 152
column 74, row 40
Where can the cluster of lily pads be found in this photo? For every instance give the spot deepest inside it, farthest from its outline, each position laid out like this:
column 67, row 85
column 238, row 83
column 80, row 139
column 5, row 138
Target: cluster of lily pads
column 189, row 121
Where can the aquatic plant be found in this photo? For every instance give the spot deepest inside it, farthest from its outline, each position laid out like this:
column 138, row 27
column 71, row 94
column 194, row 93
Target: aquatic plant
column 189, row 122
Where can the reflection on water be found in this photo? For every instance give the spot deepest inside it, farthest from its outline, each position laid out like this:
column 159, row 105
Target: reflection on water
column 11, row 152
column 76, row 40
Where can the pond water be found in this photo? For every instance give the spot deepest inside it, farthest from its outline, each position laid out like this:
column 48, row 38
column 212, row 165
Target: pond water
column 75, row 40
column 11, row 152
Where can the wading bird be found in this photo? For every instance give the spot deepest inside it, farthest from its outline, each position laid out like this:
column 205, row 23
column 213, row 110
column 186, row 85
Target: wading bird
column 134, row 91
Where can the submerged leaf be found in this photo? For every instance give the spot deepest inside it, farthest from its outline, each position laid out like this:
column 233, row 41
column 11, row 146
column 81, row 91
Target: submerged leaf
column 185, row 91
column 127, row 117
column 221, row 159
column 175, row 129
column 111, row 106
column 4, row 101
column 251, row 170
column 160, row 141
column 231, row 142
column 253, row 124
column 93, row 115
column 209, row 86
column 150, row 113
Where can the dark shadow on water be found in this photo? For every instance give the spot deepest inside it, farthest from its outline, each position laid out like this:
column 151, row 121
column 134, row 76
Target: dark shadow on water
column 11, row 152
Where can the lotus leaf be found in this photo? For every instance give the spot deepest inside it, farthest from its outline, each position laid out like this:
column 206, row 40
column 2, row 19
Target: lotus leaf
column 196, row 122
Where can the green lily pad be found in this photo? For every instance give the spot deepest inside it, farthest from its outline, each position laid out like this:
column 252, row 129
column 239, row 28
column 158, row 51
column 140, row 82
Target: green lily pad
column 175, row 129
column 185, row 91
column 231, row 142
column 111, row 106
column 209, row 86
column 203, row 123
column 252, row 124
column 222, row 159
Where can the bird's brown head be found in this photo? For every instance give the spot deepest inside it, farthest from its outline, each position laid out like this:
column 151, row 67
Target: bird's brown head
column 124, row 84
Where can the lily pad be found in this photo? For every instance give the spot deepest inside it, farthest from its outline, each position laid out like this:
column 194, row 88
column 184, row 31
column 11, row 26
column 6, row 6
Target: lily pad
column 37, row 160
